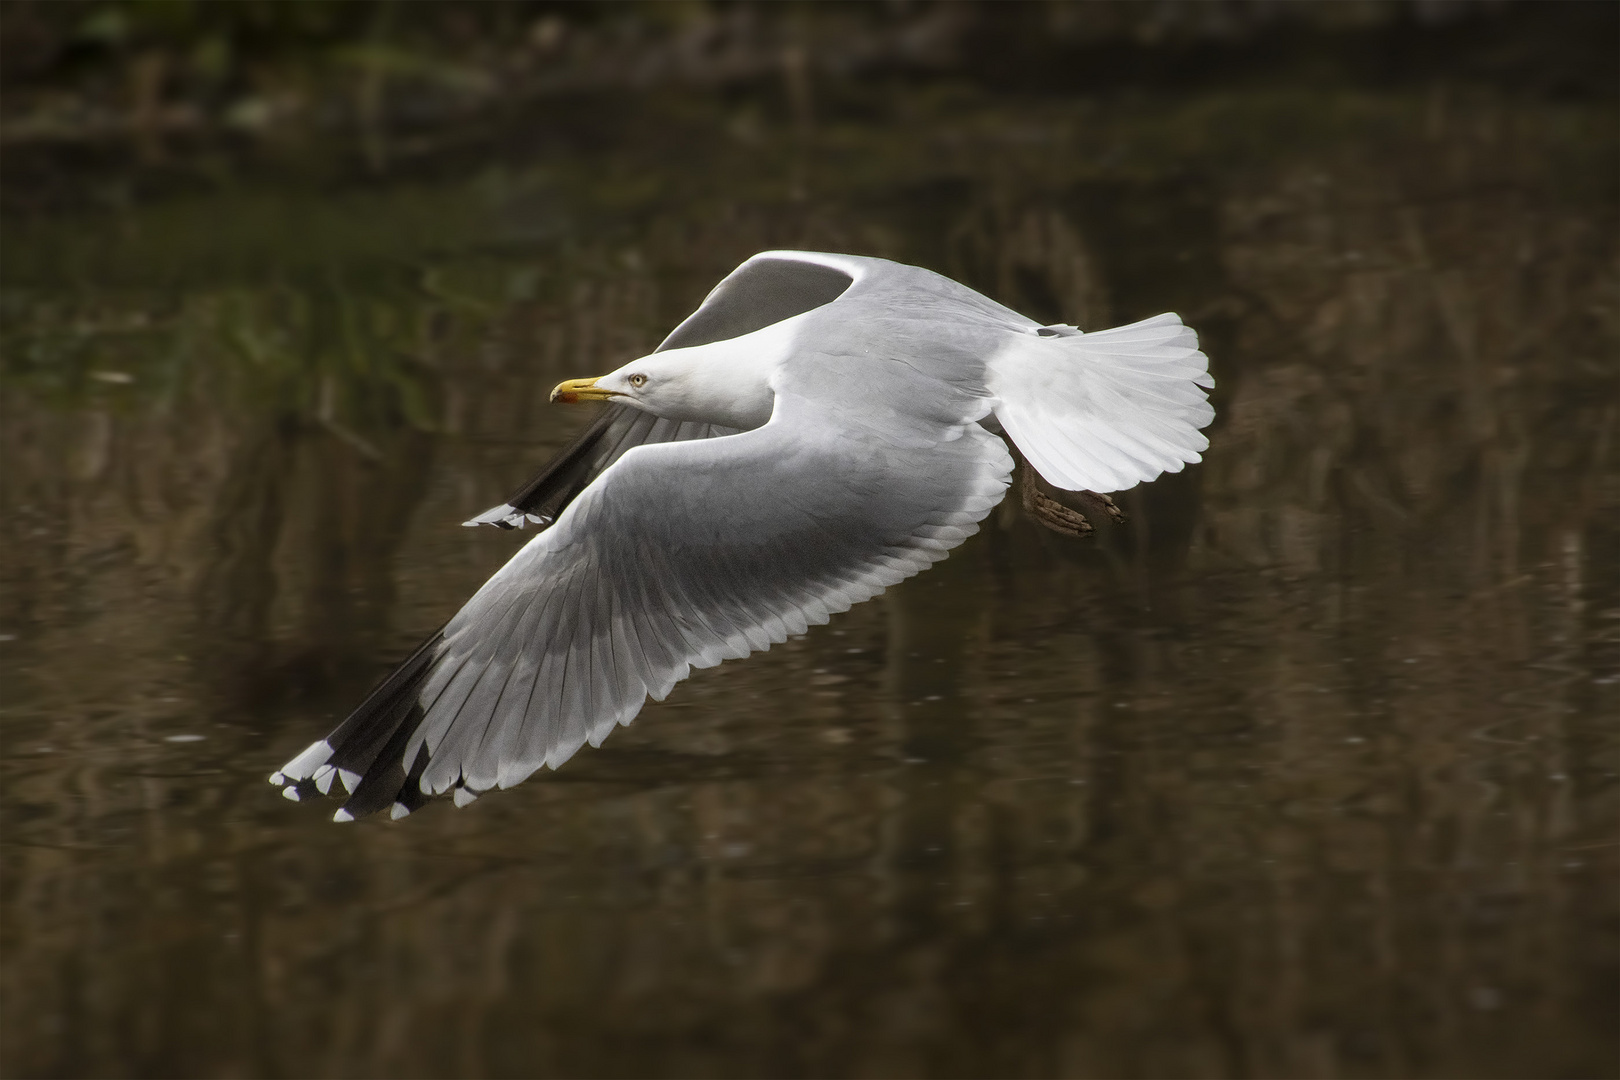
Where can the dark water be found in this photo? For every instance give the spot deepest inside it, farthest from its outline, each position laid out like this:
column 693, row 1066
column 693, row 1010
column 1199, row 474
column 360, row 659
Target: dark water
column 1310, row 770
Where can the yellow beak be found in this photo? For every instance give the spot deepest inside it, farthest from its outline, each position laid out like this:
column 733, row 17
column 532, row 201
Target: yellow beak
column 571, row 390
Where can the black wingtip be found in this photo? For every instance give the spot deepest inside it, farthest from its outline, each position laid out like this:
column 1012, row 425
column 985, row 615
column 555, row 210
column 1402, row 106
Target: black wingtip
column 364, row 755
column 387, row 782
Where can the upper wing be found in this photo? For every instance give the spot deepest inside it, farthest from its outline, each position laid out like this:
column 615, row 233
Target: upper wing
column 679, row 555
column 766, row 289
column 1105, row 411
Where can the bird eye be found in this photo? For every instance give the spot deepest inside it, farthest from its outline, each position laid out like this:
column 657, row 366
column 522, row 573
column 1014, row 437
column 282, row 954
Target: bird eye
column 638, row 380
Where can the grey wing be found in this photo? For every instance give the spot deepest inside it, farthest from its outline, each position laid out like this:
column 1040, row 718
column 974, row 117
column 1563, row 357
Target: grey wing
column 765, row 289
column 679, row 556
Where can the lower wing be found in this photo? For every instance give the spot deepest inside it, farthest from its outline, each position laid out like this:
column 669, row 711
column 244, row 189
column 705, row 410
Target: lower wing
column 679, row 555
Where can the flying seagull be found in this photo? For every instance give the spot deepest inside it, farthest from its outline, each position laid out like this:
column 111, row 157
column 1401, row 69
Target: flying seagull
column 820, row 428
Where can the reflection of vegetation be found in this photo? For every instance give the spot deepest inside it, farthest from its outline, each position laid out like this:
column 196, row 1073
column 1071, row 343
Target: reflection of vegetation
column 317, row 307
column 342, row 274
column 307, row 306
column 334, row 356
column 387, row 74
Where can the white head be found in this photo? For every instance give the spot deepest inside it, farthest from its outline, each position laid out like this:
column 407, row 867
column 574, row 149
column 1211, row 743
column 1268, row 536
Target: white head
column 723, row 382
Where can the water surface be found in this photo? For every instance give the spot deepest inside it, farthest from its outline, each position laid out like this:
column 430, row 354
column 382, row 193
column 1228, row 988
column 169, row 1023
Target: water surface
column 1309, row 770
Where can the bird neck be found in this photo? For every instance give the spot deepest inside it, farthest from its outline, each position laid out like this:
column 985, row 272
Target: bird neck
column 725, row 382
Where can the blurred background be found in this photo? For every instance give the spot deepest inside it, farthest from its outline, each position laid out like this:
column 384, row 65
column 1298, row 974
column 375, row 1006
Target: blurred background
column 1310, row 769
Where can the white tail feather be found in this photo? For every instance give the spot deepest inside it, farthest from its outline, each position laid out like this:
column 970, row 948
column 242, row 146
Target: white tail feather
column 1105, row 411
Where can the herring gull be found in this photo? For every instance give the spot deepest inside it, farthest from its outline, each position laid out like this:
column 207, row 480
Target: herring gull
column 820, row 428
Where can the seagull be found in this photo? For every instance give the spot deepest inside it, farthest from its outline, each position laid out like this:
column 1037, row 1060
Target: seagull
column 822, row 427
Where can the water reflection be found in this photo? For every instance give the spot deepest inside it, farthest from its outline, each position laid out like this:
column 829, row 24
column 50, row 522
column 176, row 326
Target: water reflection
column 1306, row 771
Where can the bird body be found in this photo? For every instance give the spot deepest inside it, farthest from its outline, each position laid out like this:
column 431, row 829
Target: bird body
column 822, row 427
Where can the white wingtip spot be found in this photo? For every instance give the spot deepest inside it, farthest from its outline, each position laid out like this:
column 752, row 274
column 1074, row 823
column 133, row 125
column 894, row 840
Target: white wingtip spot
column 342, row 815
column 399, row 810
column 351, row 780
column 277, row 779
column 463, row 797
column 323, row 779
column 313, row 757
column 290, row 793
